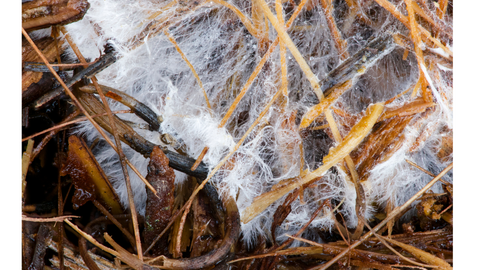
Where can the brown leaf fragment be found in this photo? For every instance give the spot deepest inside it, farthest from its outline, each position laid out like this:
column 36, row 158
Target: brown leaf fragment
column 89, row 179
column 159, row 209
column 39, row 14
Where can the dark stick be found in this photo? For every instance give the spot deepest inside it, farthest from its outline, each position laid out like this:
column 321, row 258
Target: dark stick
column 103, row 62
column 137, row 142
column 140, row 109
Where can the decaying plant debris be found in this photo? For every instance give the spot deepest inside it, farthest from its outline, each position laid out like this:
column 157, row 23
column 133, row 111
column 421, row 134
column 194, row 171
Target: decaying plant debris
column 287, row 134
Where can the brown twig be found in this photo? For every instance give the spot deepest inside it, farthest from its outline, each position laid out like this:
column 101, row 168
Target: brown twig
column 425, row 171
column 384, row 242
column 119, row 149
column 64, row 124
column 76, row 102
column 54, row 219
column 180, row 228
column 91, row 239
column 110, row 217
column 340, row 44
column 394, row 213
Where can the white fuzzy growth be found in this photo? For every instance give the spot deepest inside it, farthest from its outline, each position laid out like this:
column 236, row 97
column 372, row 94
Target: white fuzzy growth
column 397, row 180
column 448, row 112
column 224, row 56
column 441, row 52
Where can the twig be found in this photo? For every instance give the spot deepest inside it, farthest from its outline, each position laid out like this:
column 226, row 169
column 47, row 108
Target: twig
column 352, row 140
column 60, row 206
column 384, row 242
column 91, row 239
column 340, row 44
column 64, row 124
column 54, row 219
column 394, row 213
column 137, row 107
column 119, row 149
column 101, row 63
column 180, row 228
column 115, row 222
column 26, row 159
column 77, row 103
column 425, row 171
column 40, row 67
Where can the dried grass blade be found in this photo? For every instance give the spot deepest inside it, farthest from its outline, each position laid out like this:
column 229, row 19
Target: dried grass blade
column 119, row 149
column 184, row 57
column 91, row 239
column 436, row 23
column 252, row 77
column 245, row 20
column 425, row 171
column 340, row 44
column 384, row 242
column 283, row 50
column 403, row 19
column 67, row 123
column 392, row 215
column 25, row 163
column 352, row 140
column 318, row 109
column 417, row 43
column 54, row 219
column 124, row 255
column 421, row 255
column 293, row 49
column 442, row 8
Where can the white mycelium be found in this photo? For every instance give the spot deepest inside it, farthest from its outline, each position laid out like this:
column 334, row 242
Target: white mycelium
column 224, row 54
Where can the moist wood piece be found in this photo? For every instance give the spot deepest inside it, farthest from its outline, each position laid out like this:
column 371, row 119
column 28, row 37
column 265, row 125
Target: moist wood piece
column 39, row 14
column 159, row 209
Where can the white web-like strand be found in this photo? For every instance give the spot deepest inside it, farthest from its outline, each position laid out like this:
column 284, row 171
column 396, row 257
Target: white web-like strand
column 224, row 55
